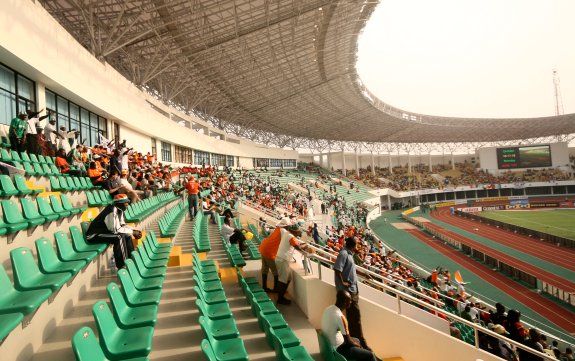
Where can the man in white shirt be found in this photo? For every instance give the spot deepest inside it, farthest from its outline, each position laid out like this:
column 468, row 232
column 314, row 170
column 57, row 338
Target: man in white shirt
column 288, row 243
column 334, row 328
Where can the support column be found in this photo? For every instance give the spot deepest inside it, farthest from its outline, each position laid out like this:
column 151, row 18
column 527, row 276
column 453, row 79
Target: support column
column 430, row 166
column 409, row 163
column 343, row 168
column 390, row 165
column 356, row 162
column 372, row 164
column 329, row 161
column 452, row 161
column 320, row 159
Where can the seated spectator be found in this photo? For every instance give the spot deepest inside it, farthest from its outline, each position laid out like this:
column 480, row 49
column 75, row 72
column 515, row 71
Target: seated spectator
column 334, row 327
column 534, row 342
column 96, row 174
column 63, row 165
column 233, row 235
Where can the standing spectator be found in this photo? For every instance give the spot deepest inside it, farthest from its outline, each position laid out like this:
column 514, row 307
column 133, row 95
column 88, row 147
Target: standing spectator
column 193, row 189
column 534, row 342
column 32, row 132
column 288, row 243
column 268, row 250
column 110, row 227
column 50, row 135
column 346, row 280
column 335, row 328
column 17, row 132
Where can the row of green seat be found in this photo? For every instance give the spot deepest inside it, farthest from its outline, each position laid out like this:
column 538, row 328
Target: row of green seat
column 35, row 282
column 35, row 211
column 70, row 184
column 98, row 198
column 126, row 326
column 16, row 187
column 170, row 222
column 138, row 211
column 222, row 339
column 253, row 250
column 280, row 336
column 254, row 229
column 200, row 233
column 8, row 156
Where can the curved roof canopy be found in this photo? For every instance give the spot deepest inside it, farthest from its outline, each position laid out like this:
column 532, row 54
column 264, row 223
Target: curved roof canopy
column 282, row 66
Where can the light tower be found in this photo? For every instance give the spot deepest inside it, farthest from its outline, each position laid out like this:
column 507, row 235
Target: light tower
column 558, row 98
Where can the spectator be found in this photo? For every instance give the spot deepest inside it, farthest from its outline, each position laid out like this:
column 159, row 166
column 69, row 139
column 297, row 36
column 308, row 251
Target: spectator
column 334, row 327
column 268, row 250
column 233, row 235
column 534, row 342
column 346, row 280
column 63, row 165
column 193, row 189
column 17, row 132
column 110, row 227
column 288, row 242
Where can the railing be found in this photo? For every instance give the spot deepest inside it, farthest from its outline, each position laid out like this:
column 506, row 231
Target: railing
column 400, row 296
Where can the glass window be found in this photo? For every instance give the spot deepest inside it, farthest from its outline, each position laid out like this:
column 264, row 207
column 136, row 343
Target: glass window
column 154, row 150
column 16, row 94
column 230, row 161
column 166, row 152
column 50, row 100
column 201, row 158
column 183, row 155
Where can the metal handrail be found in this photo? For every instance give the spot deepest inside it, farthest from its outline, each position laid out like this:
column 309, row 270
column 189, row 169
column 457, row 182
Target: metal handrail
column 430, row 307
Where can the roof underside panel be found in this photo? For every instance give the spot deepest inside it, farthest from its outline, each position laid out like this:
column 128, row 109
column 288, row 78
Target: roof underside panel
column 281, row 66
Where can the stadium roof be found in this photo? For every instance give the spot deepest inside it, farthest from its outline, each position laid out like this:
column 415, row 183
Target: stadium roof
column 285, row 67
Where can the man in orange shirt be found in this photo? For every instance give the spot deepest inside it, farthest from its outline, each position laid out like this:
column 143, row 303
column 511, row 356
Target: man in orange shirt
column 193, row 189
column 268, row 249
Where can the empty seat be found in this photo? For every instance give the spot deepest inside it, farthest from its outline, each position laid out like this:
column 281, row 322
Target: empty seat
column 228, row 349
column 134, row 297
column 8, row 322
column 7, row 188
column 66, row 251
column 46, row 210
column 23, row 187
column 141, row 283
column 57, row 207
column 27, row 275
column 19, row 301
column 67, row 205
column 130, row 317
column 50, row 263
column 221, row 329
column 13, row 217
column 216, row 311
column 30, row 210
column 118, row 343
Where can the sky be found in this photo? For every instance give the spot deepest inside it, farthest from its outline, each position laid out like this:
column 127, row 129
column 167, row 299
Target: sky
column 488, row 58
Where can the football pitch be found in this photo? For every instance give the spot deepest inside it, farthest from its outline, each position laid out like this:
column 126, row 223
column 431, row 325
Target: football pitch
column 557, row 222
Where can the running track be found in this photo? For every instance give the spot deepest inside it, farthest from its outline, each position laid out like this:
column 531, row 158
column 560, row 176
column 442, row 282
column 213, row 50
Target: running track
column 545, row 276
column 560, row 256
column 548, row 309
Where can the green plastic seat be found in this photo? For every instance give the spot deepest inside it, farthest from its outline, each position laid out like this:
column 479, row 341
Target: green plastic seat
column 30, row 211
column 326, row 349
column 134, row 297
column 222, row 329
column 27, row 275
column 38, row 169
column 67, row 205
column 92, row 202
column 46, row 210
column 266, row 307
column 49, row 262
column 208, row 286
column 22, row 187
column 141, row 283
column 63, row 183
column 156, row 250
column 163, row 257
column 232, row 349
column 271, row 320
column 41, row 159
column 46, row 169
column 150, row 263
column 66, row 251
column 145, row 271
column 7, row 188
column 285, row 335
column 14, row 219
column 81, row 245
column 216, row 311
column 83, row 183
column 207, row 276
column 33, row 158
column 15, row 156
column 57, row 206
column 19, row 301
column 24, row 156
column 5, row 155
column 29, row 169
column 210, row 298
column 154, row 240
column 294, row 353
column 118, row 343
column 77, row 185
column 130, row 317
column 5, row 142
column 55, row 184
column 8, row 322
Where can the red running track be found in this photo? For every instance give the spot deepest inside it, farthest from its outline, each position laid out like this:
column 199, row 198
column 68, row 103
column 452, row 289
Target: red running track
column 548, row 309
column 540, row 274
column 560, row 256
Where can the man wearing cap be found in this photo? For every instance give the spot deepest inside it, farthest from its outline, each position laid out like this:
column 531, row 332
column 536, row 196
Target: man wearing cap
column 50, row 135
column 17, row 132
column 193, row 189
column 110, row 227
column 268, row 250
column 346, row 280
column 288, row 243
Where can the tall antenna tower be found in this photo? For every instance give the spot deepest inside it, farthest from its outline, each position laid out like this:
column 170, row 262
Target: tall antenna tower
column 558, row 98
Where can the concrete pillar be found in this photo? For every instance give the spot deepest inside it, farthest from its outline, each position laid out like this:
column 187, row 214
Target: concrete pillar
column 320, row 159
column 372, row 164
column 390, row 165
column 329, row 161
column 409, row 163
column 356, row 162
column 430, row 166
column 452, row 161
column 343, row 163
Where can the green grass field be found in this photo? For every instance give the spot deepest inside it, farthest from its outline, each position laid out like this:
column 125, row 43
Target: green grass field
column 557, row 222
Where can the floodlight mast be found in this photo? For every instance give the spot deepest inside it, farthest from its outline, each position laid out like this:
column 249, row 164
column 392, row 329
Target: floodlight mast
column 557, row 89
